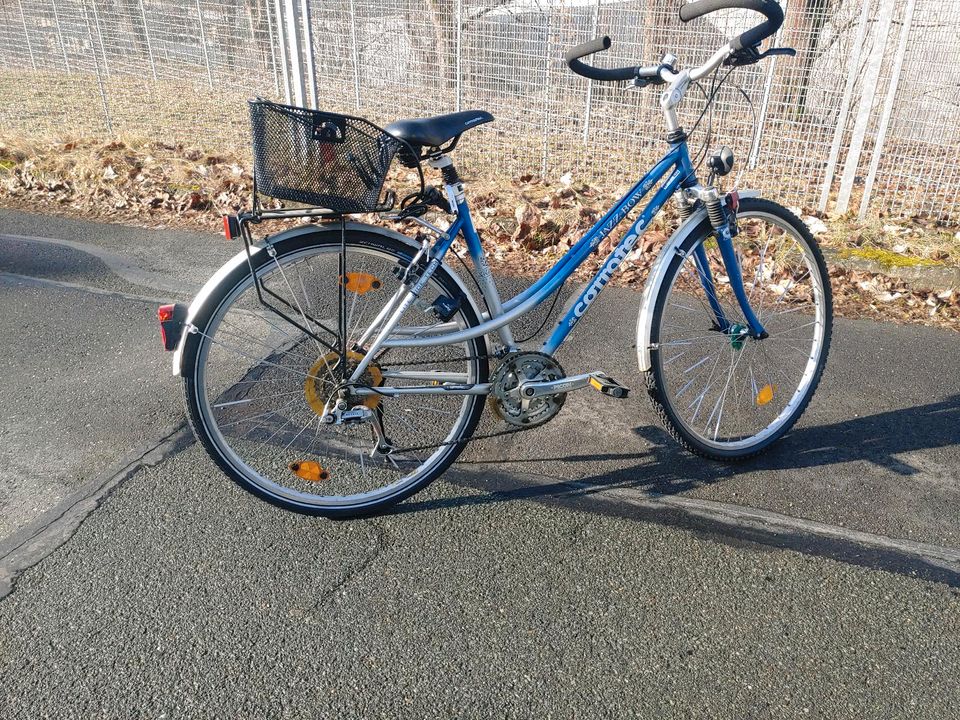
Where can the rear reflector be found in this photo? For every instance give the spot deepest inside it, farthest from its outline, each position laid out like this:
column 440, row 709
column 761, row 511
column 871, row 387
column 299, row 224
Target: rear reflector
column 231, row 227
column 171, row 319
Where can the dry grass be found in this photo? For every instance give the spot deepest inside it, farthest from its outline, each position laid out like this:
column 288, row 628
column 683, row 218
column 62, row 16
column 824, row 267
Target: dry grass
column 526, row 223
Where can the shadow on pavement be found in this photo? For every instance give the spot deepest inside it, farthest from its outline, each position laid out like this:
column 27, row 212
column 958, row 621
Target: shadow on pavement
column 876, row 438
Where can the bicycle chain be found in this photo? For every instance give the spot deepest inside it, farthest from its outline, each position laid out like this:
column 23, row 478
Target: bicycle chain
column 485, row 436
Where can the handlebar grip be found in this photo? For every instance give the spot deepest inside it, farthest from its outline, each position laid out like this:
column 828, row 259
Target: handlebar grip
column 590, row 47
column 768, row 8
column 573, row 55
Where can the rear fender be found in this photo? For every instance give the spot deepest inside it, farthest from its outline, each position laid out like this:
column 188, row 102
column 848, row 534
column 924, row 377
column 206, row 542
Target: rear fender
column 210, row 288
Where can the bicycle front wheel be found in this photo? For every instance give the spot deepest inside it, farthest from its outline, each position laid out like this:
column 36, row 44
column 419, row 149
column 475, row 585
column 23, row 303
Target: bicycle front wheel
column 258, row 387
column 721, row 393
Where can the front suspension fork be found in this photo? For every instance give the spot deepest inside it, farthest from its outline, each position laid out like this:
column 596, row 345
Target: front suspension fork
column 724, row 226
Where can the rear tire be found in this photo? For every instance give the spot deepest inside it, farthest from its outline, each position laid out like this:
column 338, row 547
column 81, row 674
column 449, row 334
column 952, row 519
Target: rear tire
column 212, row 394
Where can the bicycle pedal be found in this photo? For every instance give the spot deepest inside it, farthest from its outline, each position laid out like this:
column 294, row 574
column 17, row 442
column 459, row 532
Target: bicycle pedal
column 608, row 386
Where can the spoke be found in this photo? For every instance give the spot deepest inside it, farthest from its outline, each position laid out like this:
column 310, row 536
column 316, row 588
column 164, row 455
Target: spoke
column 429, row 409
column 682, row 390
column 240, row 335
column 690, row 341
column 296, row 300
column 289, row 406
column 302, row 430
column 758, row 275
column 697, row 364
column 257, row 399
column 675, row 357
column 259, row 361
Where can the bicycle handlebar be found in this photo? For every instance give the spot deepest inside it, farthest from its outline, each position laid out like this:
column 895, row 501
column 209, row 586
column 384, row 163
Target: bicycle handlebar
column 573, row 55
column 651, row 73
column 768, row 8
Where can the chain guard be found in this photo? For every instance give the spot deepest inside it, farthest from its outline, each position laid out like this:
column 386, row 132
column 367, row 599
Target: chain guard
column 505, row 400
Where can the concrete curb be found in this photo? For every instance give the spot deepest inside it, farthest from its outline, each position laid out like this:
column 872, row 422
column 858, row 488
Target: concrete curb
column 33, row 542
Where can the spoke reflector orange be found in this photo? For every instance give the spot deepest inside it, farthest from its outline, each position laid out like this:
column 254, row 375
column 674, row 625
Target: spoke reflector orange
column 361, row 283
column 766, row 394
column 308, row 470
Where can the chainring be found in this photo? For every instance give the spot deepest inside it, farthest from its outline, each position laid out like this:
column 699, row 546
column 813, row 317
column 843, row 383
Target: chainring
column 517, row 368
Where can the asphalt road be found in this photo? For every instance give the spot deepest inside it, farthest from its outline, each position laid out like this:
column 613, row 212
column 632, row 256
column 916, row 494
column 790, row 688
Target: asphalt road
column 584, row 569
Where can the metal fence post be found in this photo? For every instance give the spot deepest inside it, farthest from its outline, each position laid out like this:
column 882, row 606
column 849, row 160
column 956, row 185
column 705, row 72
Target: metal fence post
column 765, row 103
column 273, row 48
column 354, row 52
column 203, row 45
column 294, row 51
column 589, row 101
column 26, row 36
column 63, row 45
column 547, row 87
column 868, row 88
column 146, row 36
column 459, row 54
column 308, row 52
column 96, row 69
column 887, row 108
column 852, row 68
column 281, row 40
column 103, row 48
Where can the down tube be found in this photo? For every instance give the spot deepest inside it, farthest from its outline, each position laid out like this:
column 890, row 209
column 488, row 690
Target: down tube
column 611, row 264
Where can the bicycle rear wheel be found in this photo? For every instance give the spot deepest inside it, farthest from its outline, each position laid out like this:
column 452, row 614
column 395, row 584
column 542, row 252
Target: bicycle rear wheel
column 721, row 393
column 257, row 386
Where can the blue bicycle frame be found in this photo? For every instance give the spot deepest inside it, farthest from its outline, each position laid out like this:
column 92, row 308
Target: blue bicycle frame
column 678, row 169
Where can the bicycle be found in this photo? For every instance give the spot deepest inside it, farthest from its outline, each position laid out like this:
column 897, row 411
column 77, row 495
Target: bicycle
column 338, row 368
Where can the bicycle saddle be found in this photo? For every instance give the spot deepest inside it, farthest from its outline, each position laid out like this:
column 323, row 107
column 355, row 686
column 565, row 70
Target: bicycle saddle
column 435, row 131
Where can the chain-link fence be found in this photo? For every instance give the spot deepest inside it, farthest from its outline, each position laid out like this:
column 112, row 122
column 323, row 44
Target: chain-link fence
column 866, row 116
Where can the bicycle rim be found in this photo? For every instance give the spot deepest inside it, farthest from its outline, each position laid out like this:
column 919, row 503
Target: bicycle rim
column 724, row 390
column 261, row 384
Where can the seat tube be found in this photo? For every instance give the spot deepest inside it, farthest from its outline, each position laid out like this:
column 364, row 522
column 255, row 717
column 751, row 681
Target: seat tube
column 456, row 196
column 485, row 277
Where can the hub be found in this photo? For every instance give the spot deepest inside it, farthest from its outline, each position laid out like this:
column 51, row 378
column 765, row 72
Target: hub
column 738, row 335
column 323, row 382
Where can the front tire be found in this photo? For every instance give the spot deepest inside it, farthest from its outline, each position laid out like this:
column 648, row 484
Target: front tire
column 255, row 385
column 722, row 394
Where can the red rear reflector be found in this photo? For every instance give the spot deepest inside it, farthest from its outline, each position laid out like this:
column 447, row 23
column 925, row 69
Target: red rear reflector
column 733, row 200
column 231, row 227
column 171, row 319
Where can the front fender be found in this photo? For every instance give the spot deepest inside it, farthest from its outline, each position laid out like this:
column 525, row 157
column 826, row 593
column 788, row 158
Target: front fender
column 210, row 287
column 656, row 277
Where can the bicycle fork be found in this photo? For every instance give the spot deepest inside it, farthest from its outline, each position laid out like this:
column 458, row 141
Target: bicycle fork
column 724, row 225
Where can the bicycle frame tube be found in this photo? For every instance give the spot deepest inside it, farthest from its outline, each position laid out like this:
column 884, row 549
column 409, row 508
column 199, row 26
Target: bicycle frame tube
column 677, row 159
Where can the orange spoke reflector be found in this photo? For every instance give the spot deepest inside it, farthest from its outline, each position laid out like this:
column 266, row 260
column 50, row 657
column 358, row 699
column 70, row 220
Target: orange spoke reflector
column 766, row 394
column 308, row 470
column 361, row 283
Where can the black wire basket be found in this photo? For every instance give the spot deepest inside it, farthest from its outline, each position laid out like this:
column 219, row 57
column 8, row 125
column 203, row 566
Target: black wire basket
column 321, row 159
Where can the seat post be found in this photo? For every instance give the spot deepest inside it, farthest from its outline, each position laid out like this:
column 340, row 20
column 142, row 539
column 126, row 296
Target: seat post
column 452, row 184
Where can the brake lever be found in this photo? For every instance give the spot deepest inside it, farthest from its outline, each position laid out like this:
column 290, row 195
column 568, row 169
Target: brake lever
column 751, row 55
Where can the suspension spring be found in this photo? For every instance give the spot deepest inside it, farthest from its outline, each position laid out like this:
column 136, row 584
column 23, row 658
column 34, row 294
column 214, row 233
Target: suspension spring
column 684, row 209
column 718, row 218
